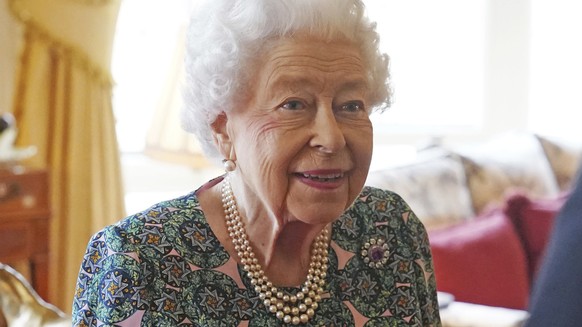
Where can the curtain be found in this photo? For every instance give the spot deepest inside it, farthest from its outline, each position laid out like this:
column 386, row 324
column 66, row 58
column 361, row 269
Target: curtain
column 62, row 104
column 165, row 139
column 10, row 38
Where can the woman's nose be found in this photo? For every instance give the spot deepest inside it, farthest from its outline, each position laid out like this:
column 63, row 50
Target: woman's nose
column 328, row 136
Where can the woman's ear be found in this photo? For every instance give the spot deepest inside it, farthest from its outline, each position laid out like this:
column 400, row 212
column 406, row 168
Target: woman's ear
column 222, row 137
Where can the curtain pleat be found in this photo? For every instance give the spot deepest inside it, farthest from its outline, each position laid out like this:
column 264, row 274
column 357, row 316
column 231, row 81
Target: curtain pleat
column 63, row 106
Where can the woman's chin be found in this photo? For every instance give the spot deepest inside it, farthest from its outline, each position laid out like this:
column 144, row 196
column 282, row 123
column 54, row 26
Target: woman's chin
column 321, row 215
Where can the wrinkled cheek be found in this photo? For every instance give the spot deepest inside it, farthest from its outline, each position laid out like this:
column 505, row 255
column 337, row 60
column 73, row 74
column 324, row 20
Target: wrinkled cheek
column 253, row 141
column 362, row 147
column 265, row 170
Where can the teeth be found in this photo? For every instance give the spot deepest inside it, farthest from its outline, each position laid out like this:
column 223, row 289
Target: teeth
column 323, row 178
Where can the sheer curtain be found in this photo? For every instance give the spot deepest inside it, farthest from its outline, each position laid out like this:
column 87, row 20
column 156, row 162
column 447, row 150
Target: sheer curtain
column 165, row 139
column 63, row 106
column 153, row 31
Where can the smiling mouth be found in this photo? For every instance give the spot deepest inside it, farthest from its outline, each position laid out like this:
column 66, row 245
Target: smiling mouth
column 322, row 177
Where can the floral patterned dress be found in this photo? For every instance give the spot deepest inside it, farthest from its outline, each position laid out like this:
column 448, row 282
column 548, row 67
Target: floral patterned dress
column 165, row 267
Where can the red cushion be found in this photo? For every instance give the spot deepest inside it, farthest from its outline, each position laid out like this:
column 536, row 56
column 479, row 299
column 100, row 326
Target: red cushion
column 482, row 261
column 533, row 220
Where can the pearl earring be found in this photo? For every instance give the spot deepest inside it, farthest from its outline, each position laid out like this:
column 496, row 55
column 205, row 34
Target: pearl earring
column 229, row 165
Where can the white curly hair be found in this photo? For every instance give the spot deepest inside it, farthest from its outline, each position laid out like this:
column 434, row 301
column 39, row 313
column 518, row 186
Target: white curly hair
column 225, row 39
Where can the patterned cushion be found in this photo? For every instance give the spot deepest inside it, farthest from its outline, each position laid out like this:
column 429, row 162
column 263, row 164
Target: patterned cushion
column 433, row 186
column 564, row 158
column 505, row 163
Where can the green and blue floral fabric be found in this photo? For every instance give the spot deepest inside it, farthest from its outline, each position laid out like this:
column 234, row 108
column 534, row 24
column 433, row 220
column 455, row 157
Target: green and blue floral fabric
column 162, row 267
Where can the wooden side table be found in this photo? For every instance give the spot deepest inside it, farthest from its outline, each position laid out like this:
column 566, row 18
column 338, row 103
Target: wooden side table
column 24, row 223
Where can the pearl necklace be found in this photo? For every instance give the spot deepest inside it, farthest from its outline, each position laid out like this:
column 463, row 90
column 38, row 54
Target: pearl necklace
column 294, row 309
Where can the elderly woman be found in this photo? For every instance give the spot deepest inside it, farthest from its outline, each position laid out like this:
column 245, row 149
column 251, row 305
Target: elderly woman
column 281, row 92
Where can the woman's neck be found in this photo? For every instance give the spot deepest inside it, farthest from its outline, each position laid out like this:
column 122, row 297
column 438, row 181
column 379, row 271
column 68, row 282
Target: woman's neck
column 286, row 256
column 282, row 246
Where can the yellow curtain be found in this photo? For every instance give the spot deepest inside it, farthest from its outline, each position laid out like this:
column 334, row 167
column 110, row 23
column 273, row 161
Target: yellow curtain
column 63, row 106
column 10, row 41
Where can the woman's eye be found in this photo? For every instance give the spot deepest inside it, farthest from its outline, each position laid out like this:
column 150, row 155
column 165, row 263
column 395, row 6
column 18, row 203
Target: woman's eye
column 353, row 106
column 293, row 105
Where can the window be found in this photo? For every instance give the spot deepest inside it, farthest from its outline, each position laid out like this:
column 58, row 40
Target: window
column 437, row 51
column 556, row 67
column 146, row 38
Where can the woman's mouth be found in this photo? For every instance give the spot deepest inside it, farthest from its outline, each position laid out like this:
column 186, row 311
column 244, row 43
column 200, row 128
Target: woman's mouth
column 323, row 177
column 323, row 180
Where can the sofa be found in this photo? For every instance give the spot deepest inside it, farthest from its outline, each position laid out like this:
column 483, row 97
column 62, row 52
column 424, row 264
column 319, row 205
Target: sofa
column 489, row 208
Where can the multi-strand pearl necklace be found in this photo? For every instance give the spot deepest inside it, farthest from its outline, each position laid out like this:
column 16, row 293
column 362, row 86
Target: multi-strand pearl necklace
column 294, row 309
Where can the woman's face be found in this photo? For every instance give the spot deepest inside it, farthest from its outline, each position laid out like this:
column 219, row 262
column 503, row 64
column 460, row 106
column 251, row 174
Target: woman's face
column 303, row 142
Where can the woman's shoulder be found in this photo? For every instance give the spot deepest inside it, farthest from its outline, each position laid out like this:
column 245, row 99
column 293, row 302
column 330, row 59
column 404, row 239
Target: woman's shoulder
column 153, row 226
column 374, row 192
column 375, row 207
column 380, row 202
column 166, row 231
column 154, row 249
column 168, row 211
